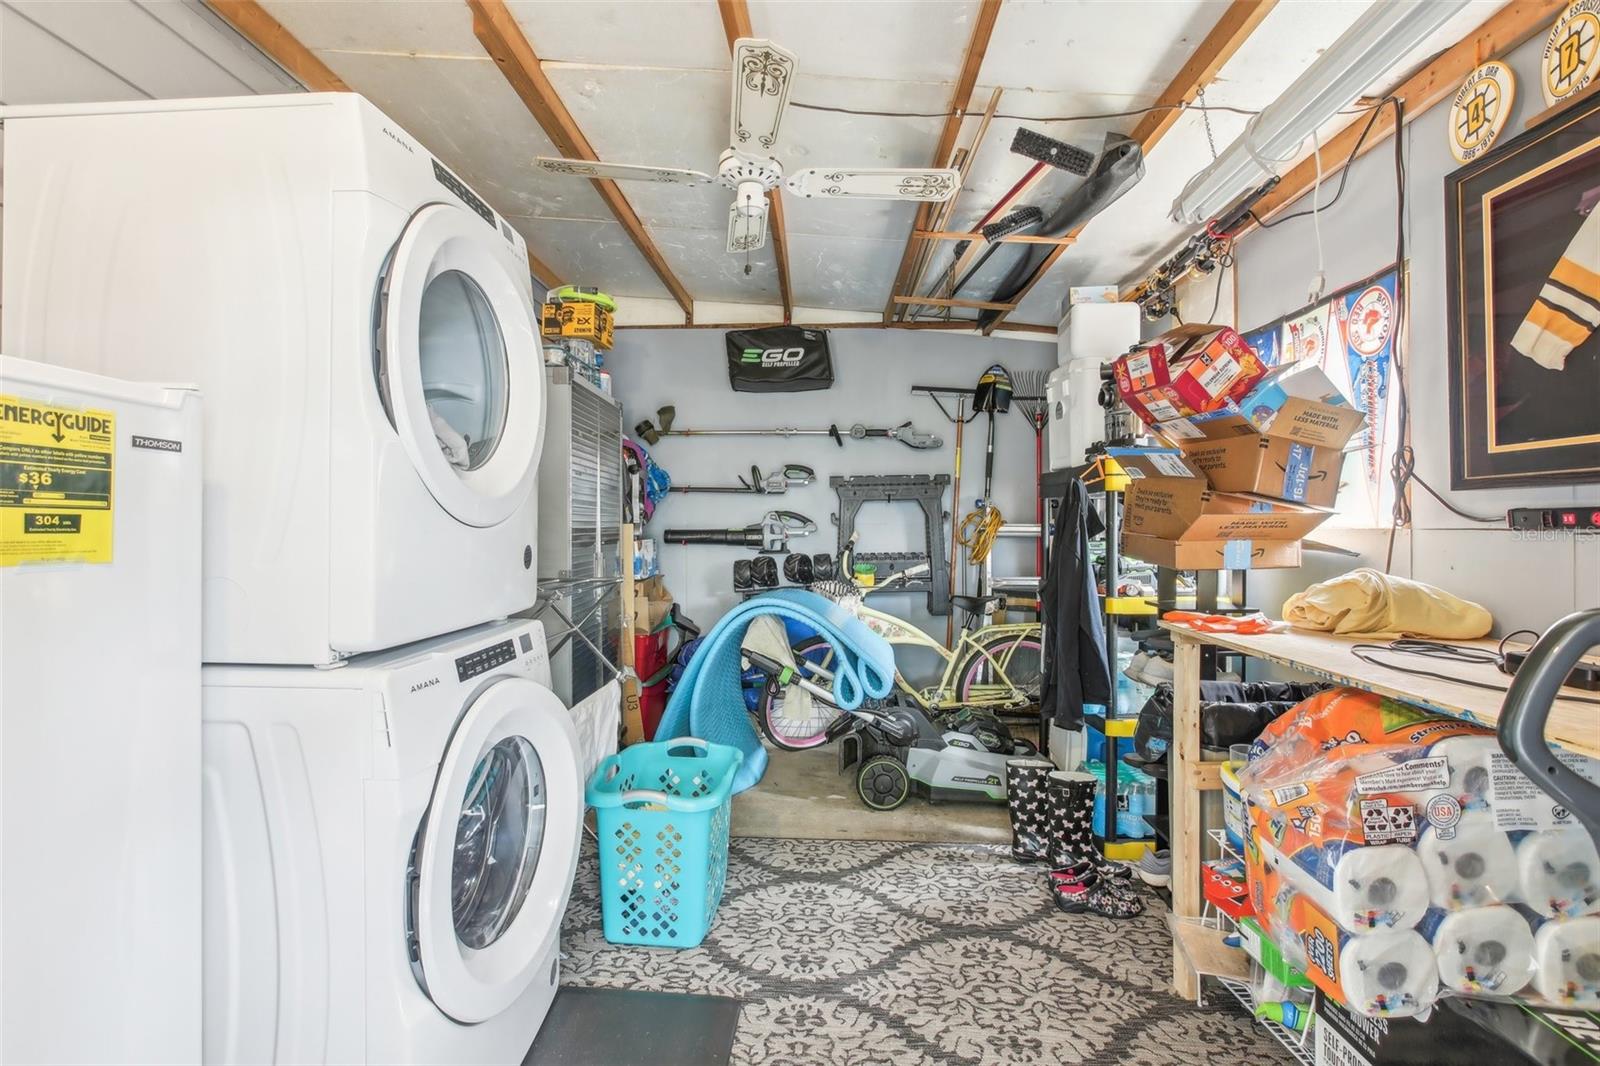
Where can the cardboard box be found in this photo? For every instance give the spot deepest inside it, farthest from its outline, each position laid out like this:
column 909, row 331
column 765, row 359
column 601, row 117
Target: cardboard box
column 577, row 319
column 1092, row 294
column 1213, row 554
column 651, row 603
column 1173, row 517
column 1283, row 440
column 1187, row 371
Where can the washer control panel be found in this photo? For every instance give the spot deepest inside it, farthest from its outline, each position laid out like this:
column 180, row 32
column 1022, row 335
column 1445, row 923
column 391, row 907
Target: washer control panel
column 464, row 194
column 485, row 659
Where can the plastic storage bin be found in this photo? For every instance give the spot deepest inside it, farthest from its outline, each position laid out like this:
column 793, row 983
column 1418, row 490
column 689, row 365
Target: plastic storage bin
column 662, row 812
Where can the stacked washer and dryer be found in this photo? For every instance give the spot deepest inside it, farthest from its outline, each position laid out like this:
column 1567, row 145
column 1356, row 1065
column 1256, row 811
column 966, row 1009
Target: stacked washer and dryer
column 392, row 797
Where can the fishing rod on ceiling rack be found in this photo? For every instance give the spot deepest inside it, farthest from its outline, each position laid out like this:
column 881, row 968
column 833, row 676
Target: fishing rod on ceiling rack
column 1200, row 254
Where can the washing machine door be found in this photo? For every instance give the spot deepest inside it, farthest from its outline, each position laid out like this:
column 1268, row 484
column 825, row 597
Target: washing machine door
column 460, row 365
column 497, row 850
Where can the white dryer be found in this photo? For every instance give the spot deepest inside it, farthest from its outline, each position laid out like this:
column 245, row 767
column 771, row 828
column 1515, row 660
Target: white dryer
column 389, row 849
column 360, row 322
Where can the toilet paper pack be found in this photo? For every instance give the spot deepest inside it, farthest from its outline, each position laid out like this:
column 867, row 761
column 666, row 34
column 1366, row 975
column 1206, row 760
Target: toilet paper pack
column 1566, row 955
column 1392, row 973
column 1481, row 950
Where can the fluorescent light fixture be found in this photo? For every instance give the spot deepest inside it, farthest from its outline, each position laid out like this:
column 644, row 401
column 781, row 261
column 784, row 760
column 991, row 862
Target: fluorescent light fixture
column 1368, row 50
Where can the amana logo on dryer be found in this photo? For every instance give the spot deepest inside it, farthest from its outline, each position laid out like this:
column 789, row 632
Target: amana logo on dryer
column 420, row 685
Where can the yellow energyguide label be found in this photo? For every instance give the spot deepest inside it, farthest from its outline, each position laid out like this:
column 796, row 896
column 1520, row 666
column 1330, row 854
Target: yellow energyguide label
column 56, row 475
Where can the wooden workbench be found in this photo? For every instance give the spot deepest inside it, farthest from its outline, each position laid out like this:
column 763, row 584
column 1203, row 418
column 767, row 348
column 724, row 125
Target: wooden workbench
column 1571, row 724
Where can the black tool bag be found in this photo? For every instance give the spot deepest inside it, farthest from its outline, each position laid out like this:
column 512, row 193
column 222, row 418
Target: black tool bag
column 779, row 359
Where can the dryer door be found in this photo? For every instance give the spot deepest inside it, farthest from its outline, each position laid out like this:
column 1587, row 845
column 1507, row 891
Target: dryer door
column 460, row 365
column 497, row 850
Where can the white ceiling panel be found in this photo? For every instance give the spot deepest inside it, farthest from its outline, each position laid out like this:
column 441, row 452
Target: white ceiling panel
column 1117, row 48
column 464, row 112
column 633, row 33
column 1135, row 233
column 702, row 255
column 52, row 52
column 686, row 125
column 406, row 27
column 812, row 138
column 841, row 272
column 592, row 253
column 910, row 40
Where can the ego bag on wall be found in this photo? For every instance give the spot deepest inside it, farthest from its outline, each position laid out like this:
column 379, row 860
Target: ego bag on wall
column 779, row 359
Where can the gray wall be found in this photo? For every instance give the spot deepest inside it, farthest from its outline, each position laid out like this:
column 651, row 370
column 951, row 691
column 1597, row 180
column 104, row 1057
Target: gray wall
column 874, row 370
column 1525, row 582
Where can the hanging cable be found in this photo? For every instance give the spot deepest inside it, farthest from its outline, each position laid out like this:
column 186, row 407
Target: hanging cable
column 979, row 529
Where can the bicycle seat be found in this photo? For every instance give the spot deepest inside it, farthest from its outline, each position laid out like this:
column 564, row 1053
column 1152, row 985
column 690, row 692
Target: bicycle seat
column 976, row 604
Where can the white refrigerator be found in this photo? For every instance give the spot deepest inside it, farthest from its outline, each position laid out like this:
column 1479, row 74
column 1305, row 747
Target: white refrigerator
column 99, row 718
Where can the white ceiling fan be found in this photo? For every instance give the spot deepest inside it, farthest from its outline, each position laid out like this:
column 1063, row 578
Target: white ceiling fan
column 762, row 73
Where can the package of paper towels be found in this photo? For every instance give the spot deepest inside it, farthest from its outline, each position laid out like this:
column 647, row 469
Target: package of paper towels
column 1481, row 950
column 1566, row 955
column 1469, row 864
column 1389, row 973
column 1558, row 872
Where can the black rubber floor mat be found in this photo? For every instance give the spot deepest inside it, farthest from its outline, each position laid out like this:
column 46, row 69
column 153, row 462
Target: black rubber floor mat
column 624, row 1027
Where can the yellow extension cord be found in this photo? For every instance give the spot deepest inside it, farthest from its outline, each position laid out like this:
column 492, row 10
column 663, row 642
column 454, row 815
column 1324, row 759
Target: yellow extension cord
column 978, row 532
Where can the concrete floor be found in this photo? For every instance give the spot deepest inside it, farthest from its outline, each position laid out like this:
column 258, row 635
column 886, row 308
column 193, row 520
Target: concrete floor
column 803, row 795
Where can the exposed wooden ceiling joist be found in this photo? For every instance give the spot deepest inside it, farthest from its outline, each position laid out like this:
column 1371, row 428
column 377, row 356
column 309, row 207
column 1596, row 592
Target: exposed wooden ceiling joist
column 1439, row 80
column 1231, row 31
column 253, row 23
column 496, row 28
column 960, row 97
column 736, row 24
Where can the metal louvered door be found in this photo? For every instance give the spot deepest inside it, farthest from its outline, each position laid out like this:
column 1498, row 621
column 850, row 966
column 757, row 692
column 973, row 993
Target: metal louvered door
column 595, row 499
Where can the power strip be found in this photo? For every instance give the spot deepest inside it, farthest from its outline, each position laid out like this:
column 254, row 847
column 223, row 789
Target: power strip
column 1569, row 519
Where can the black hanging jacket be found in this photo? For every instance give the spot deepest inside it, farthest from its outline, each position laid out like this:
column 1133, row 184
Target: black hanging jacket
column 1075, row 652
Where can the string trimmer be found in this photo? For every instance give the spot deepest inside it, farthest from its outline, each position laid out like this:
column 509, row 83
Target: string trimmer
column 904, row 433
column 773, row 484
column 771, row 534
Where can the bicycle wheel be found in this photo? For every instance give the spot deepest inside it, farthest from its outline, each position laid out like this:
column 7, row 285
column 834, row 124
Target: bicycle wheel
column 1020, row 655
column 794, row 720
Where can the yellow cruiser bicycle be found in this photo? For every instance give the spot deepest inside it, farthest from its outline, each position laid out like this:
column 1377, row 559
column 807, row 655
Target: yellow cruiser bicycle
column 991, row 668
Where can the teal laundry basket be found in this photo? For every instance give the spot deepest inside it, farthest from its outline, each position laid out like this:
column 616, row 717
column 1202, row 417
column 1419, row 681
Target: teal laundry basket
column 662, row 812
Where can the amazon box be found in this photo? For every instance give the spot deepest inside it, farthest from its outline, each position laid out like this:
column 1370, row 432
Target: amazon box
column 1283, row 440
column 1174, row 517
column 1187, row 371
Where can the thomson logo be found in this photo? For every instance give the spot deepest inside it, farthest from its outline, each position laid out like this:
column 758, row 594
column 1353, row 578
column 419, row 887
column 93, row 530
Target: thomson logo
column 420, row 685
column 157, row 444
column 772, row 356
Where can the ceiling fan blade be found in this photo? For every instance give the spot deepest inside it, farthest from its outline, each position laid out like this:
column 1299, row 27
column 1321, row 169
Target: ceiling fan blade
column 583, row 168
column 747, row 227
column 761, row 75
column 884, row 183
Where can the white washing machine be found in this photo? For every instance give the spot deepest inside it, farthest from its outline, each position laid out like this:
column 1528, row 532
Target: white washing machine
column 360, row 322
column 388, row 852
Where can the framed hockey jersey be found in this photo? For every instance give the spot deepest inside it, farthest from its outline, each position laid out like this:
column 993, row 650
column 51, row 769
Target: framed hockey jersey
column 1522, row 227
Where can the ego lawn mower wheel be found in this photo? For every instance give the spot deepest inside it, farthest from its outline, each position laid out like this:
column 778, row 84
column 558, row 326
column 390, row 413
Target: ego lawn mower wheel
column 883, row 783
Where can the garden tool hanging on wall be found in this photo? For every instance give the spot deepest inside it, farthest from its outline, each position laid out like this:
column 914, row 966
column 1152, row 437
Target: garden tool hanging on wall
column 991, row 397
column 653, row 431
column 776, row 483
column 771, row 534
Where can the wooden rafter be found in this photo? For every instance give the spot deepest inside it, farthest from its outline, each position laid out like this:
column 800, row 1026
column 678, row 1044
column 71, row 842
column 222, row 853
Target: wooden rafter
column 1437, row 81
column 736, row 24
column 1235, row 26
column 253, row 23
column 960, row 97
column 949, row 324
column 943, row 301
column 497, row 29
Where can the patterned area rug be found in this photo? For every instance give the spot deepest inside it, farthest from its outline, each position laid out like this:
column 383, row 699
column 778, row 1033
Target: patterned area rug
column 876, row 952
